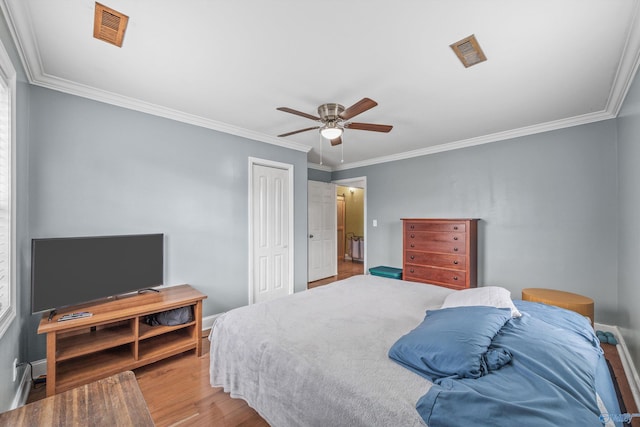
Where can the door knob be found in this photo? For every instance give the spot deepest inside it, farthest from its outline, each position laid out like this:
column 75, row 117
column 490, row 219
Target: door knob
column 311, row 236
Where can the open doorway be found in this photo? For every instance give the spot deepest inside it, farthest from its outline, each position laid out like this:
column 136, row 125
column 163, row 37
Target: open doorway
column 350, row 229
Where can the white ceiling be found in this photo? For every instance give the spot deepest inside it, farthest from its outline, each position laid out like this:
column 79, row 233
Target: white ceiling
column 227, row 65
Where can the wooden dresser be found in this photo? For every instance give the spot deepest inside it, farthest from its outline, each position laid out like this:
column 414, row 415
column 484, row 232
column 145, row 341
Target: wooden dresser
column 440, row 251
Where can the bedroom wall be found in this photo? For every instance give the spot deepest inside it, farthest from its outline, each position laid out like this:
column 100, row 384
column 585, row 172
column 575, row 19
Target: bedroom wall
column 99, row 169
column 319, row 175
column 629, row 230
column 547, row 204
column 13, row 343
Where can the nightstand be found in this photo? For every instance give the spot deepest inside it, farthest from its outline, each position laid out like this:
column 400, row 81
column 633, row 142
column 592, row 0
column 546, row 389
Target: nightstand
column 570, row 301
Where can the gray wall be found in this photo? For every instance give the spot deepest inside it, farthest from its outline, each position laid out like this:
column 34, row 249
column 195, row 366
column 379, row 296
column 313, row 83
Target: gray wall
column 547, row 204
column 319, row 175
column 99, row 169
column 629, row 245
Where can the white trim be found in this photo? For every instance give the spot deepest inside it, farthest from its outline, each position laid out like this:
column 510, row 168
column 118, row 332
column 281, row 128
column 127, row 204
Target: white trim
column 627, row 66
column 315, row 166
column 625, row 358
column 208, row 321
column 359, row 182
column 22, row 394
column 8, row 73
column 20, row 26
column 289, row 168
column 494, row 137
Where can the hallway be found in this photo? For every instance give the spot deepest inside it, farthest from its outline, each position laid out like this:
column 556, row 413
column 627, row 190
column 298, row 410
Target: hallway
column 345, row 269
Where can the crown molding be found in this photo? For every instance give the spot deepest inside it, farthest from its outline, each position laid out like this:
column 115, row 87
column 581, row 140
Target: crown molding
column 319, row 167
column 486, row 139
column 83, row 91
column 22, row 32
column 627, row 67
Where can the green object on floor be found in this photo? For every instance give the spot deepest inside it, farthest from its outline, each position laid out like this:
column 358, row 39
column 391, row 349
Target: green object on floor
column 383, row 271
column 607, row 337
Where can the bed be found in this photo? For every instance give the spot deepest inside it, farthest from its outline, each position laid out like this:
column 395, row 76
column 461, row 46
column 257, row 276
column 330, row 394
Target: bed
column 327, row 356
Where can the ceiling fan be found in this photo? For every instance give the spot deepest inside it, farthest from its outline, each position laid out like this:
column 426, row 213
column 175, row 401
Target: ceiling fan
column 334, row 120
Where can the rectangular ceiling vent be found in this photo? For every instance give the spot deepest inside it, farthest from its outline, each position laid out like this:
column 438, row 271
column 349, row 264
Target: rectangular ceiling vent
column 109, row 25
column 468, row 51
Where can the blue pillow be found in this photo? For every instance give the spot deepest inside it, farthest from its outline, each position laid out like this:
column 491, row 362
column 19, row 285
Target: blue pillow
column 453, row 343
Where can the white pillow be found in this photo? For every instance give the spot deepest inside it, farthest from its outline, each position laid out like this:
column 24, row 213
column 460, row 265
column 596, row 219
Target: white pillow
column 492, row 296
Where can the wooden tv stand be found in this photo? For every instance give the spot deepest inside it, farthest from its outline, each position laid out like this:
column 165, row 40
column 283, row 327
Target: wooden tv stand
column 116, row 338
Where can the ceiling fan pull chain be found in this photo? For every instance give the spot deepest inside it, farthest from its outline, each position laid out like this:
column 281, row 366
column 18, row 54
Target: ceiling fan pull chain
column 342, row 152
column 320, row 147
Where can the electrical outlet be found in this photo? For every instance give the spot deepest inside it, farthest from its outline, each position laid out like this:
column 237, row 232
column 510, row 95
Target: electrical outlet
column 15, row 369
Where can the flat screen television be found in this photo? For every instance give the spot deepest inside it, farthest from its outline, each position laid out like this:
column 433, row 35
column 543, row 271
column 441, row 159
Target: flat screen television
column 74, row 270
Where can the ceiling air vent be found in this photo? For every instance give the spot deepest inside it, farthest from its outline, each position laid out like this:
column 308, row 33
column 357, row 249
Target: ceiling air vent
column 468, row 51
column 109, row 25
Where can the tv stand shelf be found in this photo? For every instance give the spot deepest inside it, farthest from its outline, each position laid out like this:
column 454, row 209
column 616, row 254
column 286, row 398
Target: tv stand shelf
column 116, row 338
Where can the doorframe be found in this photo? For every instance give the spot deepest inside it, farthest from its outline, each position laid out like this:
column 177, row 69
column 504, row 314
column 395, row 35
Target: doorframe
column 255, row 161
column 359, row 182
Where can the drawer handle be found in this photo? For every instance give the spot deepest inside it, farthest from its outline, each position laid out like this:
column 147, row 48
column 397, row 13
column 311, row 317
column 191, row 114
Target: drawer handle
column 412, row 257
column 455, row 238
column 455, row 249
column 413, row 235
column 412, row 227
column 455, row 227
column 455, row 262
column 412, row 245
column 411, row 270
column 455, row 277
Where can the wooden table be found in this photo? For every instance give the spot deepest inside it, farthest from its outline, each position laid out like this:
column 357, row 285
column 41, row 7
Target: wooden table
column 110, row 402
column 570, row 301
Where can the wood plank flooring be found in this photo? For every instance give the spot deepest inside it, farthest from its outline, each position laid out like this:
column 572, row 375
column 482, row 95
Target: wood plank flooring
column 611, row 353
column 178, row 393
column 345, row 269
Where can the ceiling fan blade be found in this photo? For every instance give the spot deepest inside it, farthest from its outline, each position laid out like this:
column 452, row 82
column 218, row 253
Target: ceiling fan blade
column 368, row 126
column 297, row 113
column 359, row 107
column 298, row 131
column 336, row 141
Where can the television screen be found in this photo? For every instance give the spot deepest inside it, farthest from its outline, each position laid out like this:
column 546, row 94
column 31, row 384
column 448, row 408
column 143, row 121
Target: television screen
column 74, row 270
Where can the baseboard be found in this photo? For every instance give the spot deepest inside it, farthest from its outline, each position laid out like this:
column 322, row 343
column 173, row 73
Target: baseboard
column 207, row 322
column 625, row 358
column 23, row 390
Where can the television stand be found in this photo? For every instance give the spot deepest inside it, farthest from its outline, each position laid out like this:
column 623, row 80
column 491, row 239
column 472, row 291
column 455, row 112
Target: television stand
column 116, row 338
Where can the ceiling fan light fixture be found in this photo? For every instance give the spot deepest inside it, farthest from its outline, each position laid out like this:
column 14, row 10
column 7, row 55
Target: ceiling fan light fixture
column 331, row 131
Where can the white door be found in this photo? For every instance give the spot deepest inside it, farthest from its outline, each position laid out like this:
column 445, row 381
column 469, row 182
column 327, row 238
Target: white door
column 322, row 230
column 270, row 231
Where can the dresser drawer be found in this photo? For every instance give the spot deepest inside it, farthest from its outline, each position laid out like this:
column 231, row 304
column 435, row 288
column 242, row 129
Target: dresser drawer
column 448, row 247
column 452, row 278
column 458, row 262
column 436, row 236
column 435, row 226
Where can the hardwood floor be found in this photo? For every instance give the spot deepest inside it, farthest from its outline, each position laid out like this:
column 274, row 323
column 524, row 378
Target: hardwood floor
column 611, row 353
column 178, row 393
column 345, row 269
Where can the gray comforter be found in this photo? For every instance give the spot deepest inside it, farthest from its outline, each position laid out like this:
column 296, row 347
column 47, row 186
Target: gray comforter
column 319, row 357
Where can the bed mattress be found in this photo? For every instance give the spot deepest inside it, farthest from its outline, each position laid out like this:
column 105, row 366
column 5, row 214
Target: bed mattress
column 320, row 357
